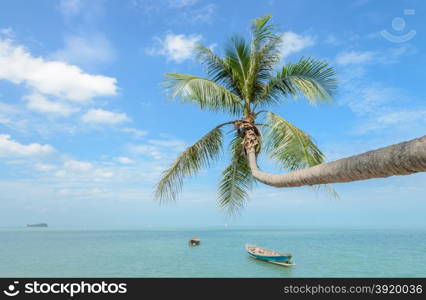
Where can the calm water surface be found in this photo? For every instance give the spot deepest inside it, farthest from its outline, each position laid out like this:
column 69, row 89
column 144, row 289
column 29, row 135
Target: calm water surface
column 165, row 253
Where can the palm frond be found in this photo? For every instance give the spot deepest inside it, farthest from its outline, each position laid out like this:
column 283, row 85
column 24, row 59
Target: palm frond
column 237, row 57
column 195, row 157
column 236, row 180
column 265, row 55
column 217, row 69
column 262, row 31
column 311, row 78
column 327, row 188
column 269, row 93
column 291, row 147
column 204, row 92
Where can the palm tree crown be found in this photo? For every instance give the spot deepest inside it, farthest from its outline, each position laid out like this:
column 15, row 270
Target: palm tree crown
column 243, row 83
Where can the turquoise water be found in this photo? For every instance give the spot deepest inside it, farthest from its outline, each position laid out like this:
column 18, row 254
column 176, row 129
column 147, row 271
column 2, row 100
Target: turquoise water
column 165, row 253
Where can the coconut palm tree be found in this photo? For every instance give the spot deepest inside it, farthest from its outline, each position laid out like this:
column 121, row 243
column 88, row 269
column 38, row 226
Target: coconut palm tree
column 243, row 83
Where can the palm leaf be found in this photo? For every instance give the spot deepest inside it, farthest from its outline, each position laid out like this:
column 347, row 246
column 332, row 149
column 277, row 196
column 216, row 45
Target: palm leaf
column 329, row 189
column 236, row 180
column 195, row 157
column 261, row 30
column 262, row 66
column 291, row 147
column 206, row 93
column 269, row 93
column 265, row 46
column 265, row 55
column 217, row 69
column 314, row 79
column 237, row 57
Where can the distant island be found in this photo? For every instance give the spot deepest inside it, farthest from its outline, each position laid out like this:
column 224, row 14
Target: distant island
column 37, row 225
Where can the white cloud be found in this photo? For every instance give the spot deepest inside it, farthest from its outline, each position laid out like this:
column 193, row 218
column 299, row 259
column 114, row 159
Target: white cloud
column 20, row 118
column 10, row 117
column 405, row 119
column 86, row 50
column 380, row 108
column 124, row 160
column 104, row 116
column 176, row 47
column 392, row 55
column 7, row 32
column 293, row 42
column 149, row 150
column 103, row 173
column 344, row 38
column 403, row 116
column 44, row 167
column 77, row 166
column 54, row 78
column 354, row 57
column 176, row 145
column 82, row 170
column 11, row 148
column 379, row 105
column 159, row 148
column 41, row 104
column 370, row 98
column 386, row 56
column 136, row 132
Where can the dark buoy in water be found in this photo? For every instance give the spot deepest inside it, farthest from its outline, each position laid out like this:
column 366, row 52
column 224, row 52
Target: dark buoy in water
column 195, row 241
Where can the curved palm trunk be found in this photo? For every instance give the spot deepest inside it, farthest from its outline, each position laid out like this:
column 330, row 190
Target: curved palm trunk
column 400, row 159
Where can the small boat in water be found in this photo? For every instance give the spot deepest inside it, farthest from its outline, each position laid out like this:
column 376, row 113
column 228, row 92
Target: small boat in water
column 275, row 257
column 195, row 241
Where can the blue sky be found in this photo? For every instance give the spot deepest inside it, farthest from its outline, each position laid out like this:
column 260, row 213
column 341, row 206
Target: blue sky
column 86, row 129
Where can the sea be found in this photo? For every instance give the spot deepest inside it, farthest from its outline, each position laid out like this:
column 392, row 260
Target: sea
column 151, row 252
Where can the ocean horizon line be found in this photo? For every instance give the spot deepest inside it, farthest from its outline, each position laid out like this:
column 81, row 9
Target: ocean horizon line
column 216, row 227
